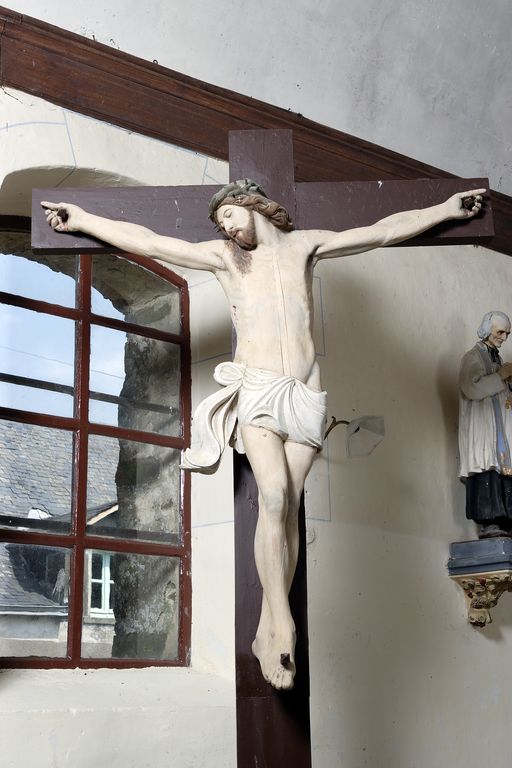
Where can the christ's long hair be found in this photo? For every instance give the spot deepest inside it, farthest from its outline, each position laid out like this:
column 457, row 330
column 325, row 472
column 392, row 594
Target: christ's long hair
column 276, row 214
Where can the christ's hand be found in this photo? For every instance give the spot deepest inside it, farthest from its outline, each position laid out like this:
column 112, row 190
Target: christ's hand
column 62, row 217
column 465, row 205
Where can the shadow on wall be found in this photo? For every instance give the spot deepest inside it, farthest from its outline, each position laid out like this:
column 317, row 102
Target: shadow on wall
column 447, row 389
column 391, row 362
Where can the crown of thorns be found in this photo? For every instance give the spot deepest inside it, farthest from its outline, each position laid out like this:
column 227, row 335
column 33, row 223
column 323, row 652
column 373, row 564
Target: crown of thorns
column 236, row 189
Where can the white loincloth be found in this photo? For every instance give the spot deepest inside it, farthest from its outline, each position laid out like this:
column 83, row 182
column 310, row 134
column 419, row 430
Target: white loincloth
column 261, row 398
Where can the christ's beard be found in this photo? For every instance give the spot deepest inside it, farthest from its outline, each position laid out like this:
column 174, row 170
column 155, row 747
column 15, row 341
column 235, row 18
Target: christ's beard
column 246, row 238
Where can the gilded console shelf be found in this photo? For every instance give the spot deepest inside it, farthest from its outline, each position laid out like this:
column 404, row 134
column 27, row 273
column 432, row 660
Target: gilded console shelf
column 482, row 592
column 483, row 569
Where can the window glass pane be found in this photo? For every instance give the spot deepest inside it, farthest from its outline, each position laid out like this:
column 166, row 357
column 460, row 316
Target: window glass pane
column 36, row 361
column 33, row 600
column 35, row 477
column 96, row 567
column 134, row 382
column 145, row 615
column 46, row 278
column 129, row 292
column 95, row 595
column 133, row 490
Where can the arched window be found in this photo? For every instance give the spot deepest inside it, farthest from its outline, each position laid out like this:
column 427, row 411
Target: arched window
column 94, row 414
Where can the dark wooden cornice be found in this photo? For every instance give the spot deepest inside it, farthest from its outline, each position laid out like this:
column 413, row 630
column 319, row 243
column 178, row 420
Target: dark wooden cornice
column 96, row 80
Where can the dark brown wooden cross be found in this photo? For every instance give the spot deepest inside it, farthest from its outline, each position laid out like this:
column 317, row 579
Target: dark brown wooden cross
column 273, row 728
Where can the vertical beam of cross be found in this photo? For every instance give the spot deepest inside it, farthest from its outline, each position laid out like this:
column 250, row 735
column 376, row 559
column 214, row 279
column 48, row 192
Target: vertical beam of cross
column 273, row 727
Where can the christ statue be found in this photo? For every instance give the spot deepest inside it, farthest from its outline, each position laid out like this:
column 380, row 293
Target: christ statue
column 272, row 406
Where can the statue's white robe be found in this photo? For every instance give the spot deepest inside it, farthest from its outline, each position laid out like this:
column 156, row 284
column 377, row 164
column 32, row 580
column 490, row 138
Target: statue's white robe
column 477, row 420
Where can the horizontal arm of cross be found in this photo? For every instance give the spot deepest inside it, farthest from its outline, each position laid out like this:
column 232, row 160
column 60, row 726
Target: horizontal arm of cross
column 182, row 211
column 338, row 206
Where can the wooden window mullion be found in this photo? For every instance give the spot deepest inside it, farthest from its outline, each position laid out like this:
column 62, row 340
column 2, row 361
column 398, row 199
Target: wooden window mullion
column 36, row 305
column 80, row 449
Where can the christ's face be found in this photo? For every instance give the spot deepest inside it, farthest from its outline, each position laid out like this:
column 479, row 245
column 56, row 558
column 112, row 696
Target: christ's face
column 499, row 333
column 238, row 224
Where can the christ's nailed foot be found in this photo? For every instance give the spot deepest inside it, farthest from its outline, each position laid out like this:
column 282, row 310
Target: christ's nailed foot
column 276, row 658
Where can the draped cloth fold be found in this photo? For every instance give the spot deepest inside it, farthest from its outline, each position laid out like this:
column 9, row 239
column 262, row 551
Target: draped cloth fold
column 282, row 404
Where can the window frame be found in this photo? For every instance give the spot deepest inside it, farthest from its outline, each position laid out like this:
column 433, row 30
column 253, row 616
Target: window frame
column 105, row 580
column 77, row 541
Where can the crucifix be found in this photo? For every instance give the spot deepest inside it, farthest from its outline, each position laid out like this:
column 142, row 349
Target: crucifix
column 272, row 404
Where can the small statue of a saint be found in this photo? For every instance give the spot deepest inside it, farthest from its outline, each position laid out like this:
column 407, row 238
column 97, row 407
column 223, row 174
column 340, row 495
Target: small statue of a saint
column 485, row 429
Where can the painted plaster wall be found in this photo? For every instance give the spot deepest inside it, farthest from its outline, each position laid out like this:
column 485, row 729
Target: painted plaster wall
column 428, row 79
column 398, row 676
column 150, row 718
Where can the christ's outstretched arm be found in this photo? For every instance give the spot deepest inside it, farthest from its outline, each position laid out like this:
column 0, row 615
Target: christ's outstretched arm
column 396, row 228
column 64, row 217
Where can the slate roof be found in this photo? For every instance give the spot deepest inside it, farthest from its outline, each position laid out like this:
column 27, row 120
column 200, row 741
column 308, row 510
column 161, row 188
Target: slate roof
column 35, row 473
column 36, row 466
column 19, row 591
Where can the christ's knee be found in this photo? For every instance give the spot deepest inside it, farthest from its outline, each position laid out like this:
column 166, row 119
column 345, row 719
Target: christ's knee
column 274, row 505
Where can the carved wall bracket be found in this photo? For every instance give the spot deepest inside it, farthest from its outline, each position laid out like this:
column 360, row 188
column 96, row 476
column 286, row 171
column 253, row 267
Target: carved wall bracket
column 483, row 569
column 482, row 592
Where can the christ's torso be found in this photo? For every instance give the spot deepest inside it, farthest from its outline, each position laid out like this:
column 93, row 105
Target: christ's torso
column 269, row 291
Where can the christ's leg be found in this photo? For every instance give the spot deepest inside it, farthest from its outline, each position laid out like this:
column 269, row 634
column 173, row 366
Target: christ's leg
column 299, row 459
column 279, row 470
